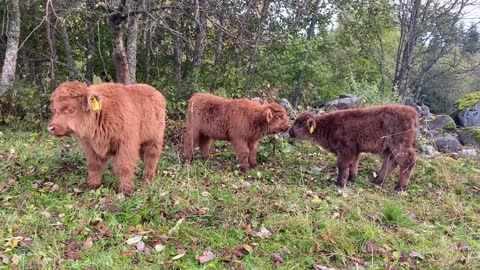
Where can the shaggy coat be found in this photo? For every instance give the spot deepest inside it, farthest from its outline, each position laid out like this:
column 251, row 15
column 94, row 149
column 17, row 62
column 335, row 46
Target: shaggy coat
column 111, row 119
column 241, row 121
column 387, row 130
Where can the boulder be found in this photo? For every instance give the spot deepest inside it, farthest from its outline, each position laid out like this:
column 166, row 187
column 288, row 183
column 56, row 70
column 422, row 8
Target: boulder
column 470, row 136
column 344, row 102
column 443, row 122
column 467, row 110
column 447, row 144
column 410, row 102
column 467, row 153
column 257, row 99
column 288, row 106
column 425, row 112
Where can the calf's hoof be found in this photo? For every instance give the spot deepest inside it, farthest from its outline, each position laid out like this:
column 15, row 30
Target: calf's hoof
column 339, row 184
column 126, row 190
column 399, row 187
column 92, row 185
column 377, row 181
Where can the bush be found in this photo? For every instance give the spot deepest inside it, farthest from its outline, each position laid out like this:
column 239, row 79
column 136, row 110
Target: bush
column 24, row 108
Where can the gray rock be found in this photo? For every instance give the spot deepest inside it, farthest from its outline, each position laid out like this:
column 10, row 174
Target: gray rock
column 467, row 153
column 469, row 136
column 257, row 99
column 409, row 102
column 342, row 103
column 444, row 122
column 447, row 144
column 425, row 112
column 430, row 150
column 287, row 105
column 469, row 116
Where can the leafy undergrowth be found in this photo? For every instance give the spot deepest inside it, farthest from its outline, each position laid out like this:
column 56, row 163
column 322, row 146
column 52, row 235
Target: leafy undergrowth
column 286, row 215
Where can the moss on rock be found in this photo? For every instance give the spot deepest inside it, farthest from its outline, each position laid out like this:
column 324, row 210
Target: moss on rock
column 474, row 132
column 468, row 100
column 450, row 125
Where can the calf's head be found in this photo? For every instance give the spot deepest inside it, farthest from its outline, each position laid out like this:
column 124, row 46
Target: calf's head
column 72, row 106
column 303, row 127
column 276, row 118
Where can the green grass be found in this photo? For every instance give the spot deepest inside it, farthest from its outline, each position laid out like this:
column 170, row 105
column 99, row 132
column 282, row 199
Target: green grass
column 211, row 206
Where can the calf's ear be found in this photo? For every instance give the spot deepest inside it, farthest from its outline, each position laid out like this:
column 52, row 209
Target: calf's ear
column 93, row 103
column 268, row 114
column 311, row 124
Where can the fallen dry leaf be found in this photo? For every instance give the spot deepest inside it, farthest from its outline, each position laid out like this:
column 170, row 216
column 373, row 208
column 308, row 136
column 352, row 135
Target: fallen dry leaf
column 415, row 254
column 88, row 243
column 178, row 256
column 206, row 257
column 159, row 248
column 134, row 240
column 320, row 267
column 4, row 258
column 264, row 233
column 461, row 246
column 140, row 246
column 15, row 259
column 370, row 247
column 277, row 259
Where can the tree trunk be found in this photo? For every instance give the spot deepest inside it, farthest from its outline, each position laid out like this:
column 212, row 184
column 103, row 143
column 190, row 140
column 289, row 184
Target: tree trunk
column 50, row 25
column 148, row 54
column 72, row 70
column 254, row 53
column 177, row 44
column 132, row 37
column 297, row 94
column 409, row 35
column 90, row 42
column 115, row 21
column 200, row 20
column 11, row 52
column 218, row 50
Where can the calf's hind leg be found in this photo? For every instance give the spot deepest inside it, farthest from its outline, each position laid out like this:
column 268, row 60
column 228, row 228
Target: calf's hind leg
column 150, row 152
column 124, row 165
column 205, row 144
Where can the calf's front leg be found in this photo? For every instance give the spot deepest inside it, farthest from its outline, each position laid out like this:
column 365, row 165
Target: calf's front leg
column 241, row 150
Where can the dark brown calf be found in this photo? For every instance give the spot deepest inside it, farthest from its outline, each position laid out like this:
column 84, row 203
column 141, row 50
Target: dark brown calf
column 241, row 121
column 387, row 130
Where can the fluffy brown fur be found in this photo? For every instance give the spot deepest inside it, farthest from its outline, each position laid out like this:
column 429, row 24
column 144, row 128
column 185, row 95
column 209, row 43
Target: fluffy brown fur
column 130, row 120
column 387, row 130
column 241, row 121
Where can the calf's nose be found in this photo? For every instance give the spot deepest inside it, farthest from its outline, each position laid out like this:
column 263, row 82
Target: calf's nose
column 51, row 128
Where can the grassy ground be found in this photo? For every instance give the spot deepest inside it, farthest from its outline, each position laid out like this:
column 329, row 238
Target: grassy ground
column 286, row 215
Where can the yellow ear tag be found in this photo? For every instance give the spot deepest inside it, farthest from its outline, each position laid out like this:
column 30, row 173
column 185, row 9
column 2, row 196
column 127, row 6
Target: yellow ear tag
column 312, row 129
column 95, row 104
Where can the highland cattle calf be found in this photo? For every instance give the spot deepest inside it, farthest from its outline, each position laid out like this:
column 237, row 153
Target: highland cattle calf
column 241, row 121
column 111, row 119
column 386, row 130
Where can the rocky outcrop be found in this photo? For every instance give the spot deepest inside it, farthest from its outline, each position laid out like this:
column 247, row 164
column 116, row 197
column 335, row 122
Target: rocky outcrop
column 345, row 101
column 466, row 111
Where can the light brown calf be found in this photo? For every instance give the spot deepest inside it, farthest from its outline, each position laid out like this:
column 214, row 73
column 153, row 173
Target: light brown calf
column 241, row 121
column 111, row 120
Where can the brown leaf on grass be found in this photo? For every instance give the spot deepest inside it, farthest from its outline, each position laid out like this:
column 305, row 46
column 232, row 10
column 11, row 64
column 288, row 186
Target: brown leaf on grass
column 71, row 252
column 135, row 259
column 88, row 243
column 241, row 251
column 206, row 257
column 320, row 267
column 415, row 254
column 102, row 231
column 264, row 233
column 4, row 258
column 357, row 260
column 388, row 266
column 15, row 259
column 370, row 247
column 461, row 246
column 127, row 253
column 277, row 259
column 286, row 250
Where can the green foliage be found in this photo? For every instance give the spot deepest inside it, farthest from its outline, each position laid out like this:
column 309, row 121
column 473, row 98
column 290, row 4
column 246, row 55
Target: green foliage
column 468, row 100
column 24, row 108
column 371, row 94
